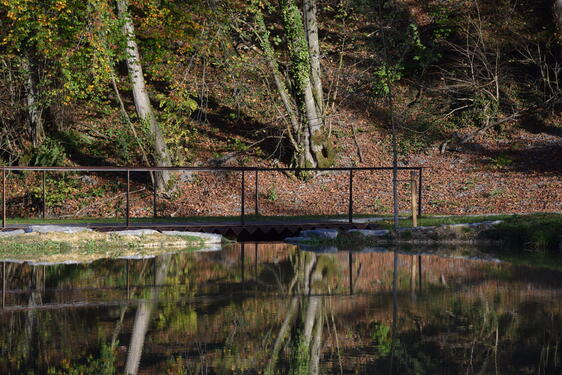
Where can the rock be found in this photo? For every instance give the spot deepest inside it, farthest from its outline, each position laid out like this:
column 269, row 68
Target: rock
column 329, row 234
column 205, row 237
column 187, row 176
column 55, row 229
column 12, row 233
column 370, row 232
column 135, row 232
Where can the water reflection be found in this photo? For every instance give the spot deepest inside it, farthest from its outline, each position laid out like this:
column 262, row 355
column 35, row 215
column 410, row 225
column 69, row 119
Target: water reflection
column 270, row 308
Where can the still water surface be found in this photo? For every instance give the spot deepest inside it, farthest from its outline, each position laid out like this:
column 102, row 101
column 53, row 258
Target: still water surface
column 272, row 309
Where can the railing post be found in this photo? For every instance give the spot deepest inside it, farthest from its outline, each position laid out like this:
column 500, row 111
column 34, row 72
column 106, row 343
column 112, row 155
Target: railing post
column 127, row 207
column 420, row 193
column 154, row 197
column 44, row 208
column 414, row 193
column 256, row 197
column 242, row 199
column 3, row 197
column 350, row 211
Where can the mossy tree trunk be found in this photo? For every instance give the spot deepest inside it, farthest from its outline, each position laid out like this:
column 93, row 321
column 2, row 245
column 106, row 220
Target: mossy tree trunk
column 301, row 91
column 141, row 98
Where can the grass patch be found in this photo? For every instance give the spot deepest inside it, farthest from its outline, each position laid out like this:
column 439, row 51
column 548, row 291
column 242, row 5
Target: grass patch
column 540, row 231
column 89, row 246
column 535, row 232
column 431, row 221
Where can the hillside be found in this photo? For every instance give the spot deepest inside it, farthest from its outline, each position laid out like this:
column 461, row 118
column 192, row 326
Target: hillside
column 472, row 87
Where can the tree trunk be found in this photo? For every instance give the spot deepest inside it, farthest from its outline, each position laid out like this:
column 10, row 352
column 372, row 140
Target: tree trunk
column 304, row 62
column 140, row 95
column 311, row 31
column 293, row 124
column 34, row 113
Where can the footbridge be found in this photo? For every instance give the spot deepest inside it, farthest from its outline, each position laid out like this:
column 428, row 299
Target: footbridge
column 248, row 223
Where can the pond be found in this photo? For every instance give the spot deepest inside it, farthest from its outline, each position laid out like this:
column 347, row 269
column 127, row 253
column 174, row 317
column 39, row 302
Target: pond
column 270, row 308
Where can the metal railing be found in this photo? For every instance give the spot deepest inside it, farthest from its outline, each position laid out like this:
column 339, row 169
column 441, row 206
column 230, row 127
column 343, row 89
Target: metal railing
column 243, row 171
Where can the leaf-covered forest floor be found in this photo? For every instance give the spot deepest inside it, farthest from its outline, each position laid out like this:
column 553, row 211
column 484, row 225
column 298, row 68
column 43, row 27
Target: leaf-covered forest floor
column 519, row 173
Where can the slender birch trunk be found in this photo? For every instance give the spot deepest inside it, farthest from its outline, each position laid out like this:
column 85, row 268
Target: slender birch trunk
column 141, row 98
column 311, row 31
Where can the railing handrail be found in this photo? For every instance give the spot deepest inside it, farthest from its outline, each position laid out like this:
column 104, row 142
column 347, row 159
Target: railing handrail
column 243, row 170
column 207, row 168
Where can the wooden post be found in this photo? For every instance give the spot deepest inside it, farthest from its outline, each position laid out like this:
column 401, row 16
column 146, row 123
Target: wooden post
column 3, row 197
column 256, row 197
column 420, row 184
column 414, row 193
column 44, row 208
column 154, row 191
column 127, row 204
column 242, row 199
column 350, row 209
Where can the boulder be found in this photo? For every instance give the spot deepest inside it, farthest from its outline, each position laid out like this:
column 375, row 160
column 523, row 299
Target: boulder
column 55, row 229
column 11, row 233
column 370, row 232
column 329, row 234
column 135, row 232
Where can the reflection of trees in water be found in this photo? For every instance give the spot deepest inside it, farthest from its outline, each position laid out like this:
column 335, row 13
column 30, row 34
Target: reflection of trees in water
column 143, row 315
column 217, row 324
column 298, row 344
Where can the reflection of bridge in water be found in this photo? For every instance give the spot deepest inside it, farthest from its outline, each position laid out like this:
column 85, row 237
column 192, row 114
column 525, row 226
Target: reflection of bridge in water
column 251, row 265
column 242, row 226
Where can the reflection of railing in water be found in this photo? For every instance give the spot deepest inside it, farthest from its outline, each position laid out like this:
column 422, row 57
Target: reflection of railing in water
column 127, row 287
column 356, row 276
column 242, row 170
